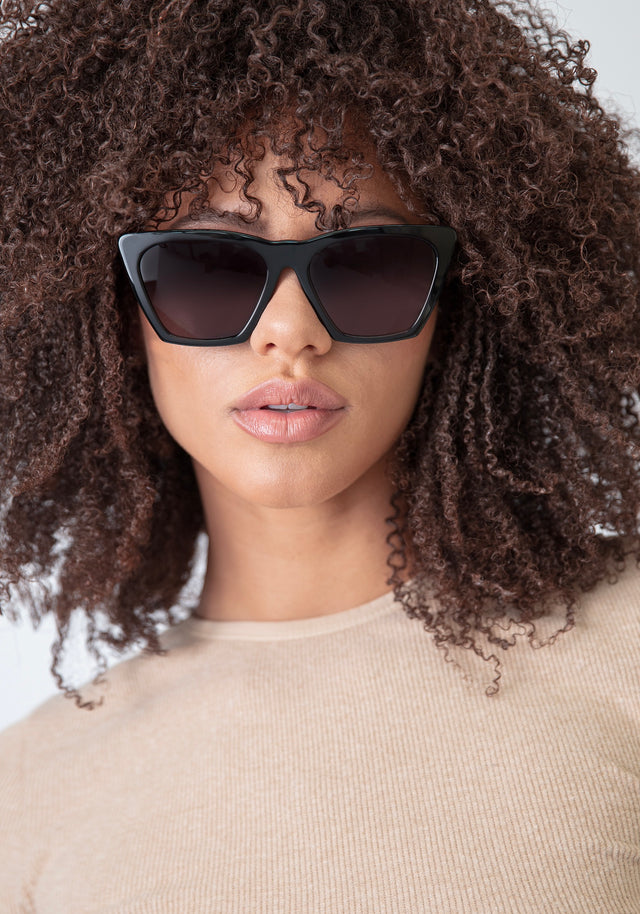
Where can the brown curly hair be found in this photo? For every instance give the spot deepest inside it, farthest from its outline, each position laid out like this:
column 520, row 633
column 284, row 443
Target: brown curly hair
column 524, row 446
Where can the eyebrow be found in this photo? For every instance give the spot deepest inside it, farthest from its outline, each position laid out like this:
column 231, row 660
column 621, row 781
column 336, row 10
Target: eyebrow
column 236, row 218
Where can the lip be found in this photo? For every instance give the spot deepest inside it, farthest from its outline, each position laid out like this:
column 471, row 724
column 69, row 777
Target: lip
column 326, row 409
column 278, row 392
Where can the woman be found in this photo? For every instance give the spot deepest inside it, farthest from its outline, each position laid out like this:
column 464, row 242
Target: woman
column 353, row 287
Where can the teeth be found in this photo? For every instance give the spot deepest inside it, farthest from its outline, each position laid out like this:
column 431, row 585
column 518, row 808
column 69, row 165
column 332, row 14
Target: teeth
column 288, row 406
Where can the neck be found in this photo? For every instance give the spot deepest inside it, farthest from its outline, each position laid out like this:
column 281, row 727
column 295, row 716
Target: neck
column 282, row 563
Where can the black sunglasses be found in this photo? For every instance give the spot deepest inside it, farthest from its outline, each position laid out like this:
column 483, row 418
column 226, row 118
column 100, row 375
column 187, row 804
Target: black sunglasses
column 372, row 284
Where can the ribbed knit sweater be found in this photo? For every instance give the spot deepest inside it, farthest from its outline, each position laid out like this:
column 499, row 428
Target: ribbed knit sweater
column 336, row 764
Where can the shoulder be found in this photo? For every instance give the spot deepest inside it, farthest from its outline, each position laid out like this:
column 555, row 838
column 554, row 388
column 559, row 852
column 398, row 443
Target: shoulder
column 59, row 748
column 52, row 760
column 58, row 724
column 607, row 613
column 596, row 661
column 595, row 658
column 607, row 627
column 611, row 609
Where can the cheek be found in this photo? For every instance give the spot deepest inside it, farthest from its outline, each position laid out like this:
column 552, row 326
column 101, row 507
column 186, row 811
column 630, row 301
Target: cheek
column 185, row 382
column 400, row 369
column 389, row 380
column 168, row 385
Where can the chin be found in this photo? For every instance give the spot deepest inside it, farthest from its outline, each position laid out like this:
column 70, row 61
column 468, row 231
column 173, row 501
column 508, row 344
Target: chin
column 288, row 480
column 290, row 494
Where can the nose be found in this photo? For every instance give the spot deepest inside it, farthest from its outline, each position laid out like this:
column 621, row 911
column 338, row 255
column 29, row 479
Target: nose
column 289, row 324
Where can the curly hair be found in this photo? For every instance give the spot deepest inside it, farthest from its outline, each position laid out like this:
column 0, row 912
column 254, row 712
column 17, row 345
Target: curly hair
column 523, row 449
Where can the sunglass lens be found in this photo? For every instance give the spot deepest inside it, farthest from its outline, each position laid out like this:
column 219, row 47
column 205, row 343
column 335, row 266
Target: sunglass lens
column 203, row 289
column 374, row 285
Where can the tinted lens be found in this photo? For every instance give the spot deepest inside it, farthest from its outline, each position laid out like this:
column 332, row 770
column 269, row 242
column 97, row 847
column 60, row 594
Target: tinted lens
column 203, row 289
column 375, row 285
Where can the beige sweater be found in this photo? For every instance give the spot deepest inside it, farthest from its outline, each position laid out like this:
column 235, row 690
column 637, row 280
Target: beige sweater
column 336, row 764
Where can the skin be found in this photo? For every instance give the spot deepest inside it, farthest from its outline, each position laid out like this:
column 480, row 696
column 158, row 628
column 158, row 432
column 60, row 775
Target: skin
column 298, row 529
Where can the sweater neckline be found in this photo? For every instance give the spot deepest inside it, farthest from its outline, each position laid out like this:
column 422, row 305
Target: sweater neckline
column 282, row 630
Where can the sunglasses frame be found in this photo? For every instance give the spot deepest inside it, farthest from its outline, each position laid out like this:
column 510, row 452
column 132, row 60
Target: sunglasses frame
column 277, row 256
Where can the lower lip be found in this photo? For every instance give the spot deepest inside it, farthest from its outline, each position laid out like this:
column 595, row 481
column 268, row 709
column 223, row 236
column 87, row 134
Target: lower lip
column 287, row 427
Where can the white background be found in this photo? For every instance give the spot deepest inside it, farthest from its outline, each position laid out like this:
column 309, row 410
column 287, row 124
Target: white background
column 613, row 28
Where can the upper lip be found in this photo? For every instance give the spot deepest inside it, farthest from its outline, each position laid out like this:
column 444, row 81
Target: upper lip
column 279, row 392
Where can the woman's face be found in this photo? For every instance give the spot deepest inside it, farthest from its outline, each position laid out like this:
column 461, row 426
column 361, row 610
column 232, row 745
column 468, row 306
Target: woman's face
column 207, row 397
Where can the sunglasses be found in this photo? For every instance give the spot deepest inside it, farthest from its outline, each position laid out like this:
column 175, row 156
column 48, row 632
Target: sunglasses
column 372, row 284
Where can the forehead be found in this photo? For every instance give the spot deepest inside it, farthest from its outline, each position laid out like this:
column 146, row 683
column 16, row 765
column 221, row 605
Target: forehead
column 264, row 185
column 275, row 176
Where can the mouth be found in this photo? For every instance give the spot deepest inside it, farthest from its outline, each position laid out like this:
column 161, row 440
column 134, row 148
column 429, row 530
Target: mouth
column 281, row 395
column 279, row 411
